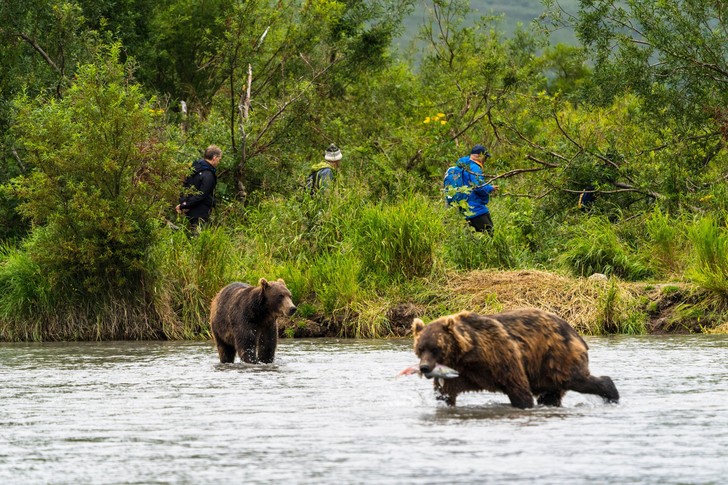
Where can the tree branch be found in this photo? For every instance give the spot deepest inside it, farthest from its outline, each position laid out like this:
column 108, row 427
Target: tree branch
column 516, row 171
column 580, row 147
column 40, row 51
column 285, row 105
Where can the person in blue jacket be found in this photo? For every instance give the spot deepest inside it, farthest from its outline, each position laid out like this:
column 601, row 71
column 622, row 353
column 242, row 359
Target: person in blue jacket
column 478, row 216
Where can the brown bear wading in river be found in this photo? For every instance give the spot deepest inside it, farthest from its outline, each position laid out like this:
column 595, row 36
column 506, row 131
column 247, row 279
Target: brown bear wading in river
column 522, row 353
column 243, row 320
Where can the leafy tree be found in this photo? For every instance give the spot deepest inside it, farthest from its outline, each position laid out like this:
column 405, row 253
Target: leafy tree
column 674, row 53
column 285, row 66
column 42, row 42
column 100, row 175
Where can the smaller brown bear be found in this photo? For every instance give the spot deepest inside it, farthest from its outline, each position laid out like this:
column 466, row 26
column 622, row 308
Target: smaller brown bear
column 521, row 353
column 243, row 320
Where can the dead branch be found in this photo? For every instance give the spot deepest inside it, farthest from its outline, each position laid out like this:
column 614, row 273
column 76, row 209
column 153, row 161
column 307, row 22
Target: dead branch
column 22, row 166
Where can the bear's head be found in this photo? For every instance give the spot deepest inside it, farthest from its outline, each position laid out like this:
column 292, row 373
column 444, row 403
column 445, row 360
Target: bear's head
column 443, row 341
column 277, row 297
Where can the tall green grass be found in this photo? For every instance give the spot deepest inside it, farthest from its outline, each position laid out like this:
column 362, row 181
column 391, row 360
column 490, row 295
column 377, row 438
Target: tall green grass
column 25, row 292
column 618, row 313
column 709, row 265
column 666, row 243
column 191, row 269
column 33, row 309
column 398, row 241
column 595, row 247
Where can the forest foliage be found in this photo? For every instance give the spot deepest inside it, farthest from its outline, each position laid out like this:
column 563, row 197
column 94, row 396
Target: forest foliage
column 104, row 105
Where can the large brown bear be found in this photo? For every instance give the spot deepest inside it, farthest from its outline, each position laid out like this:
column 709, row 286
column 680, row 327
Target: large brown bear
column 243, row 320
column 521, row 353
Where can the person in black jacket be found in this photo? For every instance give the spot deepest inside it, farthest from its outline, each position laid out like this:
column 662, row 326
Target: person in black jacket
column 199, row 198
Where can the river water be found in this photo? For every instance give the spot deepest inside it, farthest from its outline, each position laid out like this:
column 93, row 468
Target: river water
column 332, row 411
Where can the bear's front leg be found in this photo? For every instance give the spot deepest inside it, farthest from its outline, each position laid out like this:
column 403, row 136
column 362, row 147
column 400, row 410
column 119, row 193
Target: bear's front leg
column 520, row 398
column 226, row 353
column 245, row 342
column 267, row 342
column 442, row 395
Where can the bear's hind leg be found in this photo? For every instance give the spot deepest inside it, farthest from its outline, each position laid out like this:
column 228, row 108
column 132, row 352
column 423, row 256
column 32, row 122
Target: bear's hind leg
column 601, row 386
column 551, row 398
column 226, row 353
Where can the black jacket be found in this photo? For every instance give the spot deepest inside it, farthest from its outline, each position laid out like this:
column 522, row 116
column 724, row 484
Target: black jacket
column 199, row 202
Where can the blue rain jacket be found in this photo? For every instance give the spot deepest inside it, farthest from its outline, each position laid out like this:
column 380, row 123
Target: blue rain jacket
column 474, row 178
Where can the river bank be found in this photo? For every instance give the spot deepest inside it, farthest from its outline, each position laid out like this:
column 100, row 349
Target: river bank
column 594, row 306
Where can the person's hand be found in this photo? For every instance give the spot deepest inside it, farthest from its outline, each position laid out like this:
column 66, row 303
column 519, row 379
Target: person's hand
column 495, row 187
column 178, row 209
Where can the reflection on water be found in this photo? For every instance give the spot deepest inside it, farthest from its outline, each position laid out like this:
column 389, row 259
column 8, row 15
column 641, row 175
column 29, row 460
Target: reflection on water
column 332, row 411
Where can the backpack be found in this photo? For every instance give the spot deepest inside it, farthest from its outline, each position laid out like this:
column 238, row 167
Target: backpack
column 454, row 185
column 312, row 182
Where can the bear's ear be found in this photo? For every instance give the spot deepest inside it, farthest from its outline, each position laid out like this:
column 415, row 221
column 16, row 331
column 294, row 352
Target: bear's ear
column 280, row 280
column 417, row 326
column 455, row 328
column 263, row 282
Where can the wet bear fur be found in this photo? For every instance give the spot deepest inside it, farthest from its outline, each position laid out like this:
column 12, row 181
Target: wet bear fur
column 243, row 320
column 522, row 353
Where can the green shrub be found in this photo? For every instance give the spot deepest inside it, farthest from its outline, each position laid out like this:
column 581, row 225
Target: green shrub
column 102, row 175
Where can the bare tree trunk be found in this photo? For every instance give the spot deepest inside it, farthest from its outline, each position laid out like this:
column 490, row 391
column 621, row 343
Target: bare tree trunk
column 244, row 110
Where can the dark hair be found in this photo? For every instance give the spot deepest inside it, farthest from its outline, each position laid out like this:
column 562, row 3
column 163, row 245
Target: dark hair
column 212, row 151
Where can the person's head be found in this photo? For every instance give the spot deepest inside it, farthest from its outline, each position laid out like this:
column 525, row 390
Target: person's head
column 333, row 154
column 213, row 154
column 479, row 153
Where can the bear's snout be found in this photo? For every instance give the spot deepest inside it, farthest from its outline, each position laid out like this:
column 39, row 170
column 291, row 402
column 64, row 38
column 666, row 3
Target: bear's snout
column 292, row 310
column 426, row 369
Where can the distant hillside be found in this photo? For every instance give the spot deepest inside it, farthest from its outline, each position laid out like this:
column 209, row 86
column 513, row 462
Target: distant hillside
column 514, row 12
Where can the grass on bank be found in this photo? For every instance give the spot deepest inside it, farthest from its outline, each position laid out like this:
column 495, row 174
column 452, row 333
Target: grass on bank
column 363, row 269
